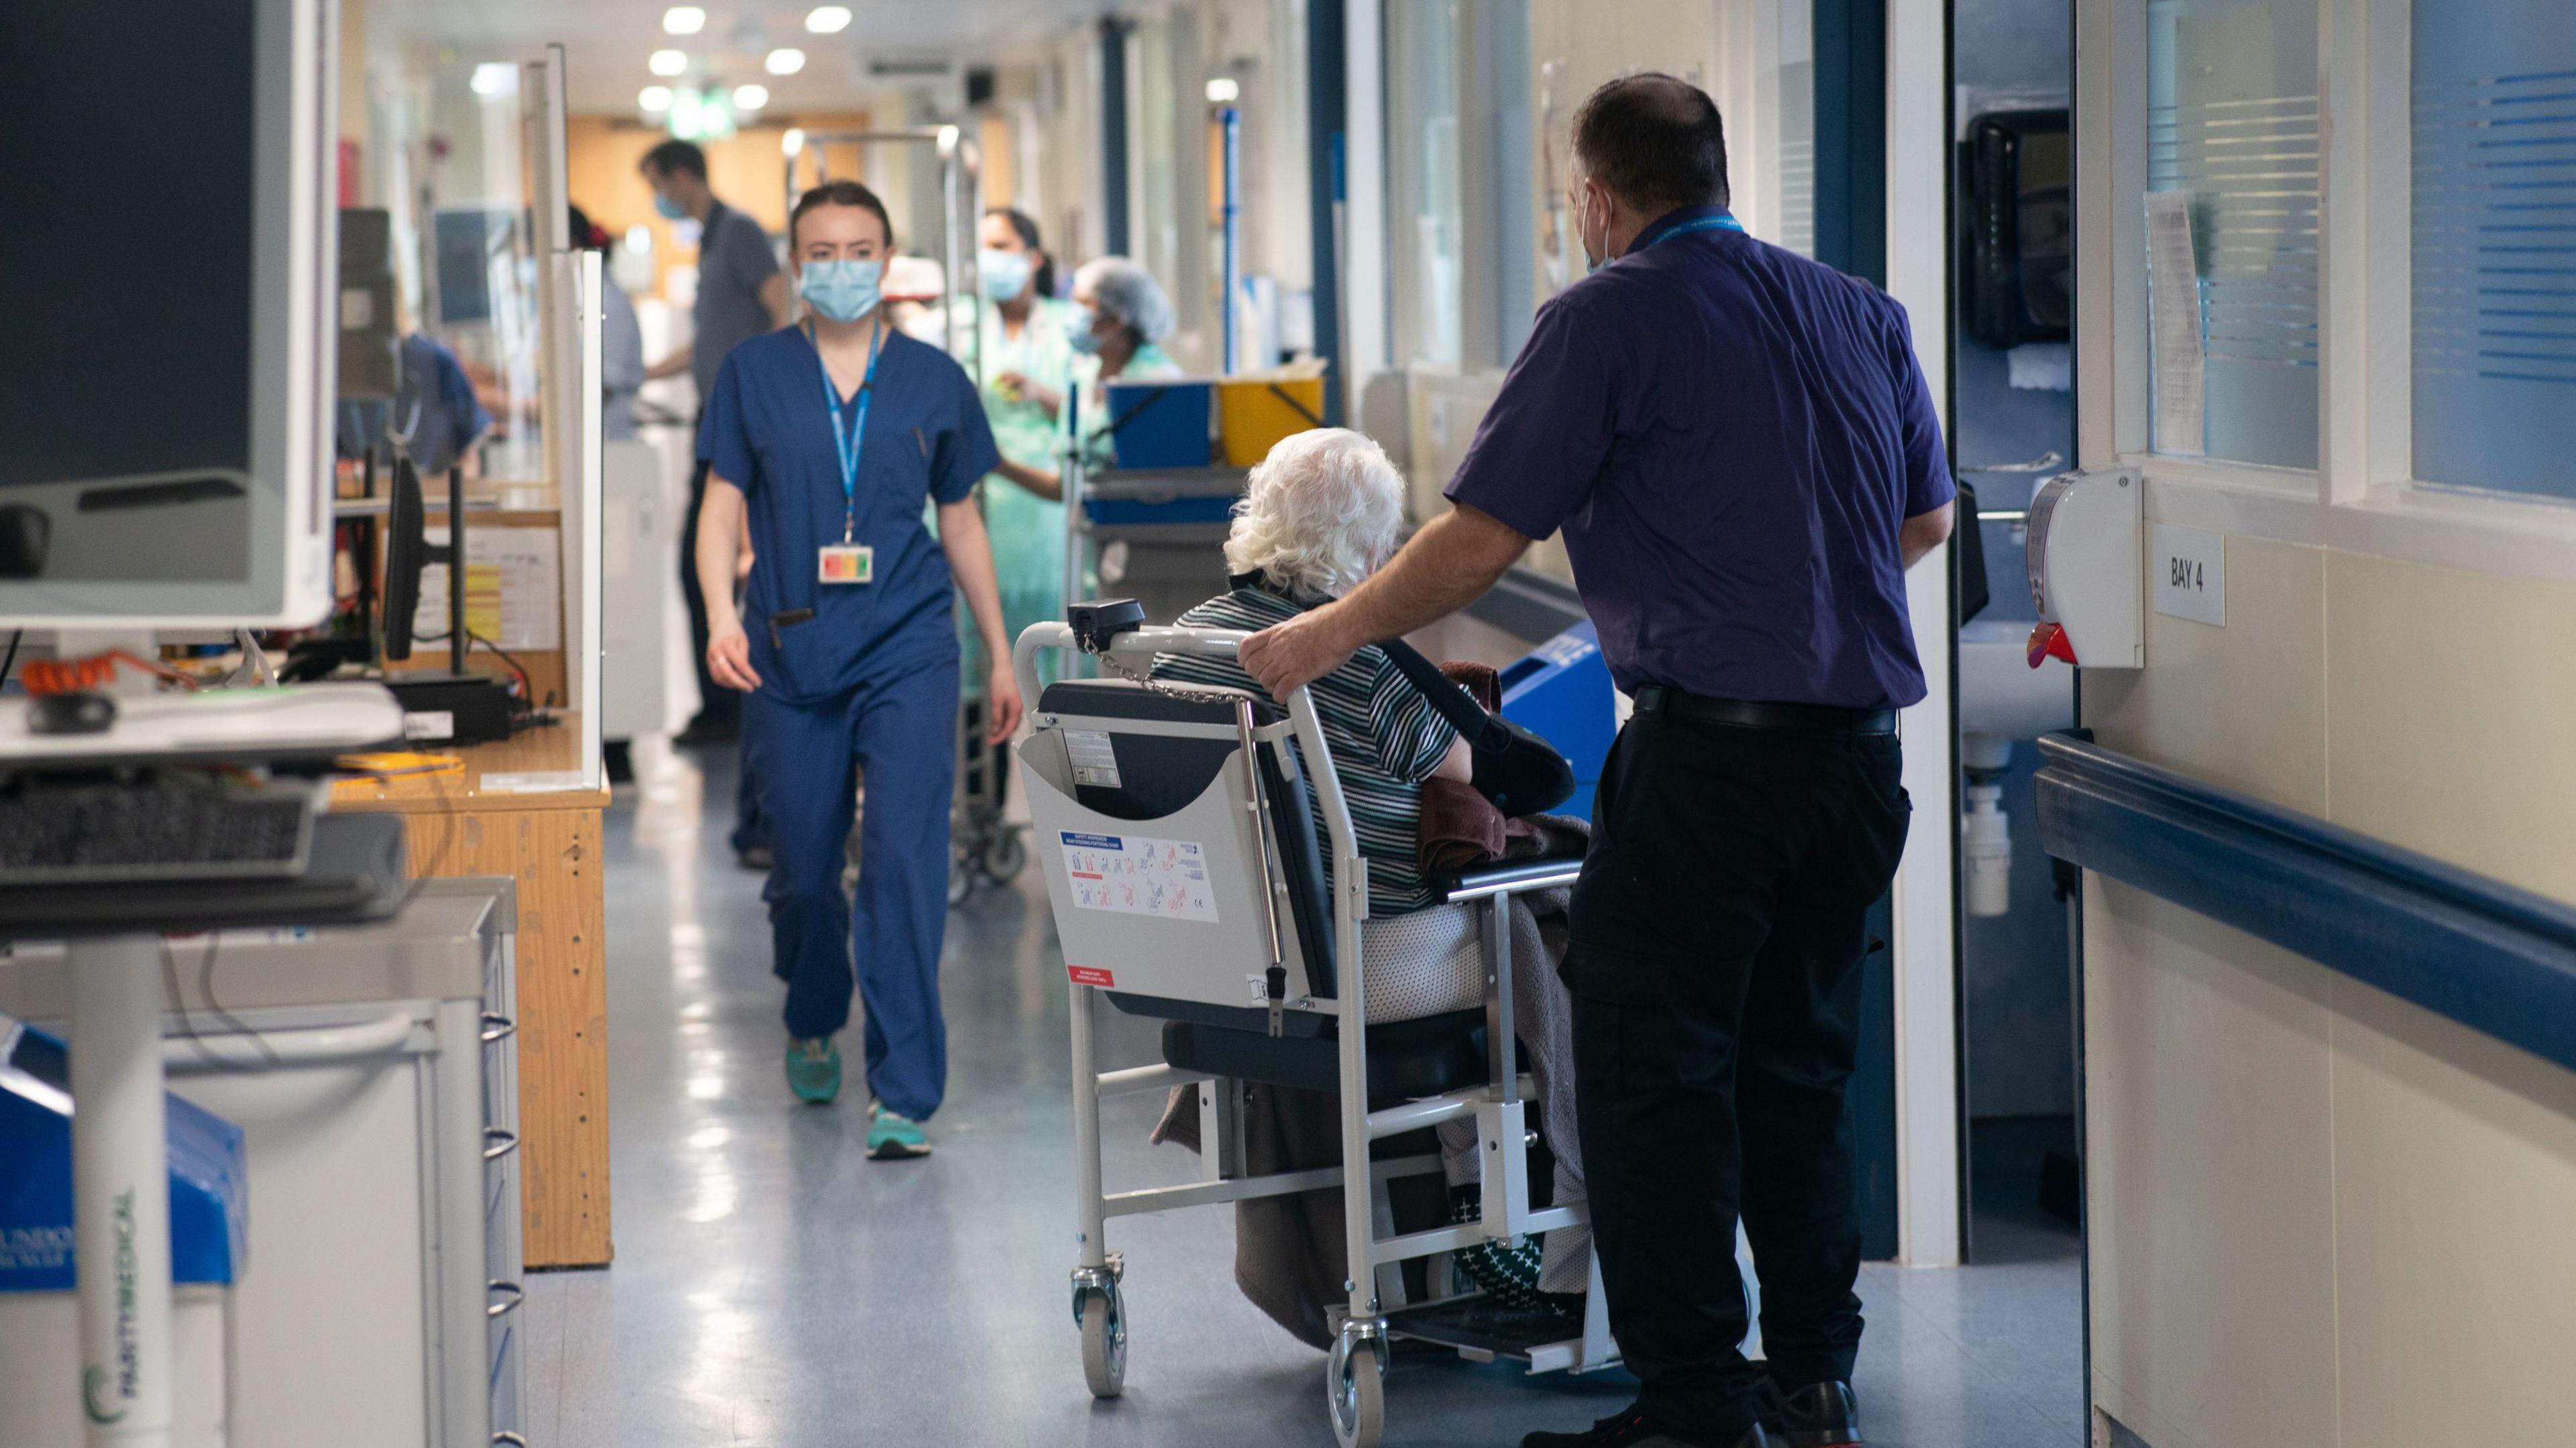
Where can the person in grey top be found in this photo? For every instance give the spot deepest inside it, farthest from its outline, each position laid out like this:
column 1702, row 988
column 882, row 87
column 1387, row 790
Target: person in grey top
column 741, row 291
column 621, row 339
column 741, row 295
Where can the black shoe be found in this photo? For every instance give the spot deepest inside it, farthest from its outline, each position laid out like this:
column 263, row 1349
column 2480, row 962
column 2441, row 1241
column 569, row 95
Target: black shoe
column 1633, row 1429
column 703, row 731
column 1821, row 1415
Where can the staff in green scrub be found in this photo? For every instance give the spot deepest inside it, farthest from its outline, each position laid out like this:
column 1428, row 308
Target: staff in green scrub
column 1126, row 315
column 1028, row 352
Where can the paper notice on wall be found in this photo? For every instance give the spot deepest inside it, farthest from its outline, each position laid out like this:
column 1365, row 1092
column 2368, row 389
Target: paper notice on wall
column 2173, row 300
column 513, row 588
column 1167, row 879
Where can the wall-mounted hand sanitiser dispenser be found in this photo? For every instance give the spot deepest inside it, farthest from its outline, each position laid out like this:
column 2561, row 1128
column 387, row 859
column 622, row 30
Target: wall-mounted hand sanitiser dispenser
column 2085, row 570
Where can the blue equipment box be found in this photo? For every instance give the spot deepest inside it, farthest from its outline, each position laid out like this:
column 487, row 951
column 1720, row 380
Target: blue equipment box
column 1164, row 424
column 1145, row 512
column 1561, row 692
column 209, row 1185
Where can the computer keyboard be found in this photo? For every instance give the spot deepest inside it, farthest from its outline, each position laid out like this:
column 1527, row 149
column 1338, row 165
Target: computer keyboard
column 106, row 833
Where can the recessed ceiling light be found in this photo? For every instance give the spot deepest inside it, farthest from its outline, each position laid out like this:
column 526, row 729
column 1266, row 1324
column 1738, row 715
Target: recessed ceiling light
column 495, row 78
column 786, row 60
column 828, row 19
column 669, row 62
column 750, row 97
column 683, row 20
column 793, row 142
column 1223, row 90
column 654, row 98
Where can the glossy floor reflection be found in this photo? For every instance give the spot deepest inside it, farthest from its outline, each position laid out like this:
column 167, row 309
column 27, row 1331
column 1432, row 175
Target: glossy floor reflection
column 774, row 1287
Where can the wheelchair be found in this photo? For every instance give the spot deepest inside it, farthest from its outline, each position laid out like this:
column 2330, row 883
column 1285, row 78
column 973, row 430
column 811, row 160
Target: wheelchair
column 1188, row 885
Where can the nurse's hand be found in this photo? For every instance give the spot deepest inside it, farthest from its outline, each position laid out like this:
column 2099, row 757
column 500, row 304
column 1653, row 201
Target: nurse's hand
column 1004, row 691
column 729, row 659
column 1288, row 655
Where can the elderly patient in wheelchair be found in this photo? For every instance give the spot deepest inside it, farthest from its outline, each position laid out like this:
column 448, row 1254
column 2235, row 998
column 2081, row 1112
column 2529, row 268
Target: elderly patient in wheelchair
column 1320, row 514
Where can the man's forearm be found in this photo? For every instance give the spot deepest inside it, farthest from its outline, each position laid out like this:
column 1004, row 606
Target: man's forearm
column 1446, row 566
column 671, row 366
column 1921, row 534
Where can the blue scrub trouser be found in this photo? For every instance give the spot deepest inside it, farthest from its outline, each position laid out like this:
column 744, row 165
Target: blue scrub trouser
column 750, row 832
column 901, row 732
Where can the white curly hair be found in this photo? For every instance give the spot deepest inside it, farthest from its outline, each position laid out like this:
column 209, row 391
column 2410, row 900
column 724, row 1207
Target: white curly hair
column 1320, row 514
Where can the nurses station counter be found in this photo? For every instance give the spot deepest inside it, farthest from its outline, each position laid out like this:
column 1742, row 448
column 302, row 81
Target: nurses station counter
column 529, row 807
column 509, row 813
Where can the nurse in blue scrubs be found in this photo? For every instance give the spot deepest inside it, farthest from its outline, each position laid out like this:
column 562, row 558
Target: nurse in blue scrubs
column 826, row 439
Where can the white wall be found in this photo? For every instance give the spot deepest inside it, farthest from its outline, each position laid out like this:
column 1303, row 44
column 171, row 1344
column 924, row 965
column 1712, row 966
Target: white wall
column 2321, row 1216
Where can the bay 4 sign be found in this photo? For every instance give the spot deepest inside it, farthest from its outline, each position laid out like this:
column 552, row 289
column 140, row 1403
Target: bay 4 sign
column 1131, row 875
column 2187, row 573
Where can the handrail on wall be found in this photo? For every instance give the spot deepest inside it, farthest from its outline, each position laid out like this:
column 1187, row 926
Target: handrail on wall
column 2496, row 958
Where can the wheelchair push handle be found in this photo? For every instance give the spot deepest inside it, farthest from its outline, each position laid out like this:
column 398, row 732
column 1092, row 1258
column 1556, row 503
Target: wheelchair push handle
column 1114, row 626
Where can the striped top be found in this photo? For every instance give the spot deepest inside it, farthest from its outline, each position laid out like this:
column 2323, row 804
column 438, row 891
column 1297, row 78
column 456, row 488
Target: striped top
column 1384, row 736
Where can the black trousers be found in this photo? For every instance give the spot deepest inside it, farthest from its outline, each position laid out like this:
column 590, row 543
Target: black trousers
column 1718, row 932
column 717, row 704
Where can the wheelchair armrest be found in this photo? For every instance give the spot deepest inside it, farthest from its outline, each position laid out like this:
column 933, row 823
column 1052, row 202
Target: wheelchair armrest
column 1508, row 878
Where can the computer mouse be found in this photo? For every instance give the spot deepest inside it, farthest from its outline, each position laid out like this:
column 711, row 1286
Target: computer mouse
column 73, row 713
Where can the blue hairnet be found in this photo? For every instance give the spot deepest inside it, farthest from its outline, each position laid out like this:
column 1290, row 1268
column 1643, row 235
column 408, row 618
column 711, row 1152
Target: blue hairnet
column 1128, row 294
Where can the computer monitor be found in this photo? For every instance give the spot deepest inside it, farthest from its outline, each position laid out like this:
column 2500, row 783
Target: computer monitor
column 166, row 392
column 408, row 550
column 467, row 240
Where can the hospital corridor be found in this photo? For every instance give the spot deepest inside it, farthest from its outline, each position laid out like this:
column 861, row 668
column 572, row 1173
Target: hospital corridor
column 1293, row 723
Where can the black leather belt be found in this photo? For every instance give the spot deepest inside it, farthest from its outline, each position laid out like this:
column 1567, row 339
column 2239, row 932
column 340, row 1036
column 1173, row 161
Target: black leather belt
column 1806, row 718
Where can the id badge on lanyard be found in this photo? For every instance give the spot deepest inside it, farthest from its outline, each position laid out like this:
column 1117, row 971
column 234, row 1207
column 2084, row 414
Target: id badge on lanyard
column 848, row 561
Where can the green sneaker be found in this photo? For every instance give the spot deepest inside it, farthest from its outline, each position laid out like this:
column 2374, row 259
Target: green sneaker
column 814, row 1069
column 894, row 1138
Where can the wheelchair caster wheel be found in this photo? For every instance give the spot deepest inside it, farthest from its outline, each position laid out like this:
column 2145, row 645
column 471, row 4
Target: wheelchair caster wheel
column 1104, row 1342
column 1005, row 857
column 961, row 882
column 1355, row 1393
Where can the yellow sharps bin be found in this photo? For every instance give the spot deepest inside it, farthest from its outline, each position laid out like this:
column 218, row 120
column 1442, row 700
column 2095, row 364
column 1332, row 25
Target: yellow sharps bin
column 1256, row 409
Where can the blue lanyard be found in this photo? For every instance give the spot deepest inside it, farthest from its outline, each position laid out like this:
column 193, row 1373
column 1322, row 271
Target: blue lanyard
column 846, row 440
column 1722, row 221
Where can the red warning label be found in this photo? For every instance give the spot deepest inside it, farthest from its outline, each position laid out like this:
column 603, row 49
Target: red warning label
column 1090, row 975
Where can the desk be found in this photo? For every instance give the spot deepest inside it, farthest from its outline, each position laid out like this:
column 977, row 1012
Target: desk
column 461, row 824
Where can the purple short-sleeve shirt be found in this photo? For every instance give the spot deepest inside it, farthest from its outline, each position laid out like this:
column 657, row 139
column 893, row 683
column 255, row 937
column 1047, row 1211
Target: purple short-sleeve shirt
column 1729, row 435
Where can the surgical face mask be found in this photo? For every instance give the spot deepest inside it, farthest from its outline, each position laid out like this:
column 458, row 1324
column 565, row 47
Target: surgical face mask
column 1004, row 274
column 1085, row 340
column 671, row 210
column 842, row 291
column 1583, row 235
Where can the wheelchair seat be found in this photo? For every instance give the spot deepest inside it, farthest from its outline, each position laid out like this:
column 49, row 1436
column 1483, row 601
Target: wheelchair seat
column 1406, row 1059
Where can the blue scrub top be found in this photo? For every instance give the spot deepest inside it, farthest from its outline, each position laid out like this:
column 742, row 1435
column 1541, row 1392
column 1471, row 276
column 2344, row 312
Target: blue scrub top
column 767, row 433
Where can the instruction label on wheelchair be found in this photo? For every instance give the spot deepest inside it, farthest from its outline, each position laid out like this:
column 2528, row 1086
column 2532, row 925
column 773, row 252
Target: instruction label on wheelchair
column 1094, row 761
column 1128, row 875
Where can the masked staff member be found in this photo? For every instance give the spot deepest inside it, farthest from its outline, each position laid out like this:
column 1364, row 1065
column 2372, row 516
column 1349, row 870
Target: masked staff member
column 827, row 440
column 1743, row 456
column 1029, row 350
